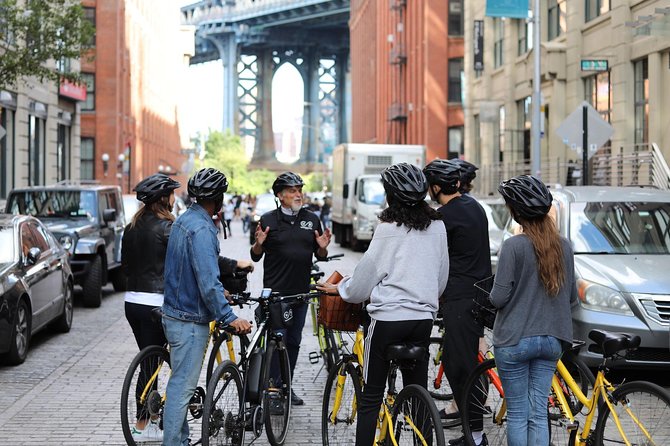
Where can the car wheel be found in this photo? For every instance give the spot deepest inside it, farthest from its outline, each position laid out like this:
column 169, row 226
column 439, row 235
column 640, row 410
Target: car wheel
column 92, row 285
column 20, row 337
column 64, row 321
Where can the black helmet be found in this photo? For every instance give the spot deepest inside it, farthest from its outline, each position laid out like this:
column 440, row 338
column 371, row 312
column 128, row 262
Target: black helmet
column 527, row 196
column 207, row 183
column 468, row 170
column 286, row 179
column 153, row 187
column 405, row 183
column 444, row 174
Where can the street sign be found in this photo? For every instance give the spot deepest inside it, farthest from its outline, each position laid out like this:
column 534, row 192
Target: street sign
column 572, row 128
column 594, row 65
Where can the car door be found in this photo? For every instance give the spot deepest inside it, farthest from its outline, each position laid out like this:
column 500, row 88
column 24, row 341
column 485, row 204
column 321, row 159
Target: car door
column 107, row 228
column 35, row 275
column 51, row 255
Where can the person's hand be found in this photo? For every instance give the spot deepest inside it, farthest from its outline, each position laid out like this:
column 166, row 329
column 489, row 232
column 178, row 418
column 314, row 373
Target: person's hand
column 228, row 296
column 261, row 234
column 324, row 239
column 241, row 326
column 245, row 265
column 327, row 288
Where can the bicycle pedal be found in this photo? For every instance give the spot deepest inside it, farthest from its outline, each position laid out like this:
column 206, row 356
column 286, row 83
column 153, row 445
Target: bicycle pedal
column 571, row 426
column 314, row 357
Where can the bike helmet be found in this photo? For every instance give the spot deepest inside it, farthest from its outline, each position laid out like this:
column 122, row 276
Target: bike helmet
column 527, row 196
column 153, row 187
column 405, row 183
column 443, row 173
column 468, row 170
column 208, row 184
column 286, row 179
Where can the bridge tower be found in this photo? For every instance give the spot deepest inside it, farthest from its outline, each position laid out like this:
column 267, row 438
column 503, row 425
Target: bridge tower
column 253, row 39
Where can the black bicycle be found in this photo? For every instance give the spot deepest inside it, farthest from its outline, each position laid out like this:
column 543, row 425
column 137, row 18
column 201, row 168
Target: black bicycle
column 243, row 397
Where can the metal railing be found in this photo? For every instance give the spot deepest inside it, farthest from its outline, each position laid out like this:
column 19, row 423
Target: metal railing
column 635, row 165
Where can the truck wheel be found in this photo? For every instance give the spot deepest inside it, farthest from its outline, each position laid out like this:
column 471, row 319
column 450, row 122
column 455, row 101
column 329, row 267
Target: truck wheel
column 92, row 285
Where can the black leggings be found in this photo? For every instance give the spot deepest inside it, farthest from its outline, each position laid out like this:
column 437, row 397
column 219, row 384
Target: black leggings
column 381, row 334
column 147, row 331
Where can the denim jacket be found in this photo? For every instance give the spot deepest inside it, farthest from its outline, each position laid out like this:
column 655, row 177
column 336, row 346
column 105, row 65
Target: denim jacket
column 193, row 291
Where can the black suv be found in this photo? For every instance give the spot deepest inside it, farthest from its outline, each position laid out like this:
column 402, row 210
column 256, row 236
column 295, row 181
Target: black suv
column 88, row 221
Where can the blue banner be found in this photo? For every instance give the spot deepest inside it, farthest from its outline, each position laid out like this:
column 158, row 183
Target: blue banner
column 515, row 9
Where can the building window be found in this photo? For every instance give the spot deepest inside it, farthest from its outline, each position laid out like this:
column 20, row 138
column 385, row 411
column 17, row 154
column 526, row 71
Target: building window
column 641, row 101
column 500, row 140
column 556, row 13
column 89, row 80
column 87, row 162
column 89, row 14
column 63, row 149
column 598, row 93
column 7, row 152
column 455, row 17
column 523, row 128
column 498, row 41
column 596, row 8
column 525, row 34
column 455, row 70
column 455, row 142
column 36, row 151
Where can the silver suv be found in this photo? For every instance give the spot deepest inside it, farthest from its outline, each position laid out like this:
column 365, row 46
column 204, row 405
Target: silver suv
column 88, row 220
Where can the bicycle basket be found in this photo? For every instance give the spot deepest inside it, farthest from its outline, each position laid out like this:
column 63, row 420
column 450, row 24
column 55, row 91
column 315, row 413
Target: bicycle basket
column 336, row 314
column 483, row 310
column 281, row 315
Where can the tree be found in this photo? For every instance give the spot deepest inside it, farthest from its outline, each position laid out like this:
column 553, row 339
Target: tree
column 36, row 33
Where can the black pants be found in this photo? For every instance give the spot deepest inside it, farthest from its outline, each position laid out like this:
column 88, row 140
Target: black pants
column 461, row 344
column 292, row 340
column 381, row 334
column 147, row 331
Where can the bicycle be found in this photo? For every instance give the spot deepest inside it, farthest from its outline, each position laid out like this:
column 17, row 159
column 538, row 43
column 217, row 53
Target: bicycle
column 631, row 413
column 409, row 415
column 330, row 341
column 243, row 397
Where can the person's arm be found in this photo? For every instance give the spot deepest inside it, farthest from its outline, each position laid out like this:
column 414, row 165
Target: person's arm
column 503, row 285
column 321, row 241
column 262, row 231
column 125, row 252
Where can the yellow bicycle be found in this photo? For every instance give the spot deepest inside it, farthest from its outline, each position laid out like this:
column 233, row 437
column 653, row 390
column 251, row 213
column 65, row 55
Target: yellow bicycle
column 407, row 417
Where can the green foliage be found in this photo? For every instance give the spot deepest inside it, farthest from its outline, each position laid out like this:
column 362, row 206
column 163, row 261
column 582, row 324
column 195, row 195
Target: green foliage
column 34, row 32
column 314, row 182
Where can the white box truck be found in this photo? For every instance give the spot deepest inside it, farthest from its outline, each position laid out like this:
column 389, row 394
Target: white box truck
column 357, row 189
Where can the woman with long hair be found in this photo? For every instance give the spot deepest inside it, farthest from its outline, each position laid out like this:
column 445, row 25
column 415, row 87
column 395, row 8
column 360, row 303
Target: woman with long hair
column 534, row 290
column 402, row 273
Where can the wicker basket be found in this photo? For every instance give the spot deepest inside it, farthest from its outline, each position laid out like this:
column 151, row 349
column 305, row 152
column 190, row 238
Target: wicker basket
column 336, row 314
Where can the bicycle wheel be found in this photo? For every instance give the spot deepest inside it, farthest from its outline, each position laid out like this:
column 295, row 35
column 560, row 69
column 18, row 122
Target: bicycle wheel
column 332, row 353
column 643, row 409
column 223, row 414
column 221, row 347
column 343, row 387
column 438, row 384
column 277, row 396
column 143, row 392
column 486, row 402
column 415, row 417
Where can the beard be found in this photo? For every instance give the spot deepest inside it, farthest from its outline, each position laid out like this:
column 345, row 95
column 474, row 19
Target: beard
column 296, row 205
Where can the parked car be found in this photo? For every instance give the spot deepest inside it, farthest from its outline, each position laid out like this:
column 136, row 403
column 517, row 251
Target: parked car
column 35, row 285
column 621, row 240
column 497, row 215
column 264, row 203
column 88, row 220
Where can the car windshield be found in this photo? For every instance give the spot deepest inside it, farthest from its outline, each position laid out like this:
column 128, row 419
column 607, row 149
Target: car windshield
column 54, row 204
column 7, row 242
column 371, row 191
column 620, row 228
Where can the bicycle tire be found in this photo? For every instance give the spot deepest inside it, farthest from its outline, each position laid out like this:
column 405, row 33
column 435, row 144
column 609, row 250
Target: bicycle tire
column 332, row 352
column 636, row 400
column 483, row 395
column 438, row 384
column 218, row 346
column 141, row 369
column 277, row 396
column 223, row 413
column 418, row 418
column 342, row 431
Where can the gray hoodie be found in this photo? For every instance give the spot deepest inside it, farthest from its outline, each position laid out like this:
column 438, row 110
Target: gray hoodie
column 403, row 273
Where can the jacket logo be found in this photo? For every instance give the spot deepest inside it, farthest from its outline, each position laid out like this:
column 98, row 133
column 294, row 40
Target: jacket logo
column 306, row 225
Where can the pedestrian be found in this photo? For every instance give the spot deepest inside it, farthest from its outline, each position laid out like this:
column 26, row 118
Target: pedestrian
column 194, row 297
column 403, row 273
column 325, row 212
column 534, row 290
column 228, row 214
column 143, row 251
column 469, row 262
column 468, row 174
column 288, row 237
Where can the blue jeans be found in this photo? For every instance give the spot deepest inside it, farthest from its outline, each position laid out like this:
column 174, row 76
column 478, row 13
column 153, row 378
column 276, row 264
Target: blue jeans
column 526, row 370
column 188, row 341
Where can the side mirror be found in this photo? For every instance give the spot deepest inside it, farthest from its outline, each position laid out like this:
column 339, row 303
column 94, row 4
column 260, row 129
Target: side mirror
column 109, row 215
column 33, row 255
column 345, row 191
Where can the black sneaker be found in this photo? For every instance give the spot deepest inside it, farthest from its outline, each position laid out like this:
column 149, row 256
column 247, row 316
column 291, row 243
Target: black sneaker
column 461, row 441
column 295, row 399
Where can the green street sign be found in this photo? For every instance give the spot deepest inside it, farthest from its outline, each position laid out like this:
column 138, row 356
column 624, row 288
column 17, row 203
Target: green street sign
column 594, row 65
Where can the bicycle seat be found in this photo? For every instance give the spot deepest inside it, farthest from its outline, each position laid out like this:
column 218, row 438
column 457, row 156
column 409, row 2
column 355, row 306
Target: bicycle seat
column 396, row 352
column 611, row 343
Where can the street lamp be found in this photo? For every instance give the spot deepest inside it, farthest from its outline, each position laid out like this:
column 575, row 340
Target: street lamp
column 105, row 163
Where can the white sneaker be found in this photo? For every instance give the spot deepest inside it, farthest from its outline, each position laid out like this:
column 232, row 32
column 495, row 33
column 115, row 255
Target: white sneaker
column 150, row 433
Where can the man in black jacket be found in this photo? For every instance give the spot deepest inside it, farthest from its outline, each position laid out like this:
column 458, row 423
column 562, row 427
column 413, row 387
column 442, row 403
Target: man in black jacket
column 288, row 237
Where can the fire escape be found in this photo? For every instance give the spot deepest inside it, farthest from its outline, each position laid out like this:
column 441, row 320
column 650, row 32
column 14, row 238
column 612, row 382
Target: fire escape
column 397, row 112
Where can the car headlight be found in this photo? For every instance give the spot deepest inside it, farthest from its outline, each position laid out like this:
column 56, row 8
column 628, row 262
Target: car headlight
column 66, row 241
column 601, row 298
